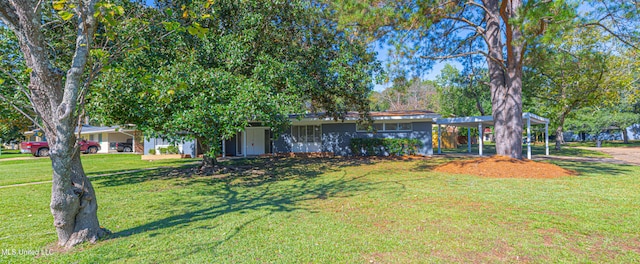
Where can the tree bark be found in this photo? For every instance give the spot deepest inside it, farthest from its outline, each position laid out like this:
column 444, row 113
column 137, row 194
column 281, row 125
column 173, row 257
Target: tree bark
column 55, row 99
column 559, row 136
column 73, row 200
column 208, row 162
column 505, row 76
column 625, row 136
column 560, row 131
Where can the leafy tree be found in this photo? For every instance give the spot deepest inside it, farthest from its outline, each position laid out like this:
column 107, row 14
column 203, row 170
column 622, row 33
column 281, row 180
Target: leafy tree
column 463, row 94
column 13, row 96
column 63, row 45
column 581, row 68
column 600, row 118
column 414, row 94
column 218, row 68
column 425, row 31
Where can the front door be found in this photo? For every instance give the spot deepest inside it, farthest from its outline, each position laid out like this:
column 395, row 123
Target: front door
column 255, row 140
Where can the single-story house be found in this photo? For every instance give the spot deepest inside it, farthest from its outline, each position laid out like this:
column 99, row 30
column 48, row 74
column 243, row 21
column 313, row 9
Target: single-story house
column 106, row 136
column 315, row 133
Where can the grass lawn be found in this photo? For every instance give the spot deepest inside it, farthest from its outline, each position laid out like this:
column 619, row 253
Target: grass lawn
column 12, row 153
column 608, row 144
column 489, row 149
column 39, row 169
column 343, row 211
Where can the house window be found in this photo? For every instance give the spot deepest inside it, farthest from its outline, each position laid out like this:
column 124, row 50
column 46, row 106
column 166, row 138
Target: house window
column 91, row 137
column 405, row 126
column 386, row 127
column 306, row 134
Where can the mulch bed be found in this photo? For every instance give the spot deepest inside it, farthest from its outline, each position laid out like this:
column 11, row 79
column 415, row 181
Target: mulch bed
column 505, row 167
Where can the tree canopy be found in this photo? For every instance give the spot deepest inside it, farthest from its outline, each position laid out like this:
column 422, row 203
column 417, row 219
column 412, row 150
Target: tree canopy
column 206, row 73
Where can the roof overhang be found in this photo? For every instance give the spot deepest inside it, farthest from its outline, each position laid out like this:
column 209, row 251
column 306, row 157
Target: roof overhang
column 352, row 119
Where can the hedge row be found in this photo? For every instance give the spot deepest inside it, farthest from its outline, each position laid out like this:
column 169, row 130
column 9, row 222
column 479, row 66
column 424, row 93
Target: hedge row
column 384, row 146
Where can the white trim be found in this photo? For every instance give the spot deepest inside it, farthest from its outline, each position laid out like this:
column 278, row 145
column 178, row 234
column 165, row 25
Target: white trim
column 546, row 139
column 469, row 139
column 439, row 139
column 480, row 138
column 244, row 143
column 528, row 137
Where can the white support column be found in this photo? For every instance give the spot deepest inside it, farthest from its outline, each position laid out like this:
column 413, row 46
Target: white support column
column 546, row 138
column 480, row 139
column 244, row 142
column 224, row 148
column 439, row 140
column 529, row 138
column 469, row 139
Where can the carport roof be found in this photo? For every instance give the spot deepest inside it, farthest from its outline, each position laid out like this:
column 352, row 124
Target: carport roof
column 472, row 121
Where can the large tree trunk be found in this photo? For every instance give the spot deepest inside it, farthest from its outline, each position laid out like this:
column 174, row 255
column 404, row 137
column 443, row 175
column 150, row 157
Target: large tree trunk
column 625, row 136
column 55, row 100
column 559, row 137
column 560, row 131
column 73, row 200
column 505, row 76
column 208, row 162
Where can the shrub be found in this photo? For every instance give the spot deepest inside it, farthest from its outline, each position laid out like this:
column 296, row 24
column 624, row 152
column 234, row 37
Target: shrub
column 163, row 151
column 152, row 152
column 173, row 150
column 384, row 146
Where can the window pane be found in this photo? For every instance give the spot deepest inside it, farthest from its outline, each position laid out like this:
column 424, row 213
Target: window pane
column 404, row 126
column 294, row 133
column 391, row 126
column 309, row 133
column 360, row 127
column 378, row 126
column 317, row 134
column 303, row 134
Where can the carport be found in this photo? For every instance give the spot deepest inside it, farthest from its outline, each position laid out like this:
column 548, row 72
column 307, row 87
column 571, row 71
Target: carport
column 481, row 121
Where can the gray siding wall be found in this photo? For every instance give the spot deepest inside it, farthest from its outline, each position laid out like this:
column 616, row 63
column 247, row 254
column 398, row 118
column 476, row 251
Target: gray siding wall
column 337, row 137
column 283, row 144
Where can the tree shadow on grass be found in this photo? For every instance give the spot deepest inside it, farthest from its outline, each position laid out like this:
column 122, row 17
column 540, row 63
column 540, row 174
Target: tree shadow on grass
column 162, row 166
column 264, row 186
column 596, row 168
column 254, row 171
column 430, row 164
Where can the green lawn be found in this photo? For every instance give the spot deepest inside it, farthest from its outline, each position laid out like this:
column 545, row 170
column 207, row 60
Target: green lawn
column 536, row 149
column 609, row 144
column 39, row 169
column 12, row 153
column 343, row 211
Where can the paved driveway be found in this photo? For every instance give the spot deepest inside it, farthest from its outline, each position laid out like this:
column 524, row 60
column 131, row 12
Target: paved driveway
column 630, row 155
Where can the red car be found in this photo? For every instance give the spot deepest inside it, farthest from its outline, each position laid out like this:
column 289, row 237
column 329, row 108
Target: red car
column 41, row 148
